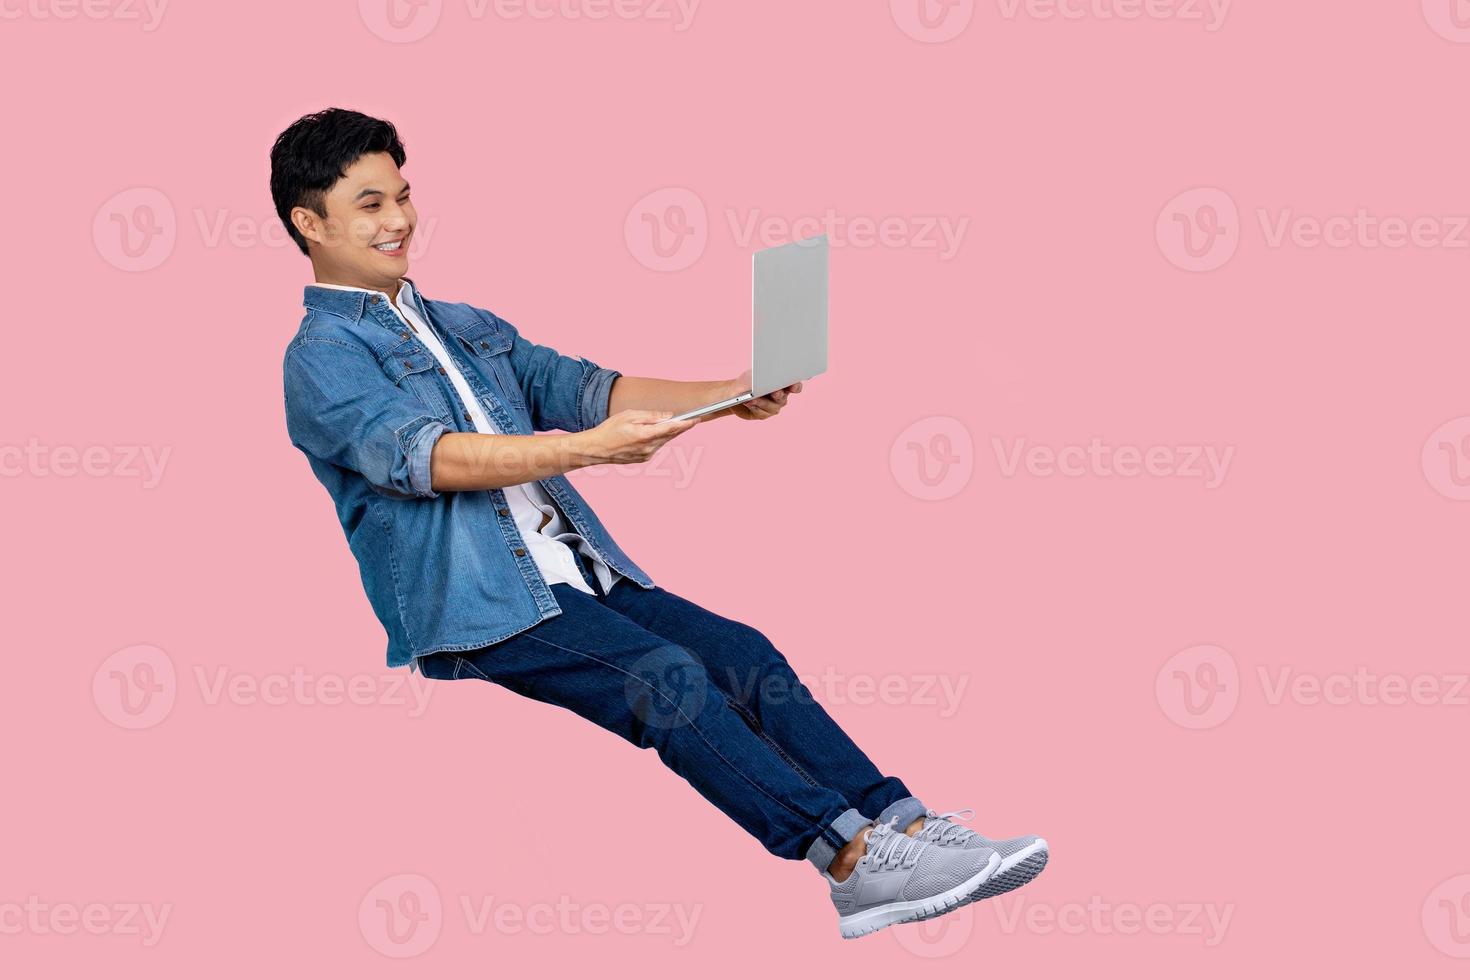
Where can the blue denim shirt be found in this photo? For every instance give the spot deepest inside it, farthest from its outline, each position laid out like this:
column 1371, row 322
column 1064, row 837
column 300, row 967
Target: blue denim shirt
column 365, row 402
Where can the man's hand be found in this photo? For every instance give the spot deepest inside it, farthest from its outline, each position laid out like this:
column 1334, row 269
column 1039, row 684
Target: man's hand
column 764, row 407
column 630, row 436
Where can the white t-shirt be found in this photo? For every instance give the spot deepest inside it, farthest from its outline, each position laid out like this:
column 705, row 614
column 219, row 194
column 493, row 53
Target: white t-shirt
column 548, row 535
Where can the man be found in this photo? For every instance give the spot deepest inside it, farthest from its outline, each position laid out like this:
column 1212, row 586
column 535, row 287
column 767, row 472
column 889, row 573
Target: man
column 443, row 436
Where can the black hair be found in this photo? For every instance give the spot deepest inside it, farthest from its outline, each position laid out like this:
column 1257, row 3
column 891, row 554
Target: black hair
column 314, row 153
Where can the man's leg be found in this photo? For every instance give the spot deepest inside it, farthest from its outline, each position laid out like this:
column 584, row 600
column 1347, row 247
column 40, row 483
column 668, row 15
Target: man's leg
column 766, row 691
column 596, row 662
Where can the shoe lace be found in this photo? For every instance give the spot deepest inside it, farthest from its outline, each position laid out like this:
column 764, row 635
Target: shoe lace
column 890, row 848
column 941, row 828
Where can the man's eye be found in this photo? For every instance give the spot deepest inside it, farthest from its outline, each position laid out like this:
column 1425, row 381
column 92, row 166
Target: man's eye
column 370, row 207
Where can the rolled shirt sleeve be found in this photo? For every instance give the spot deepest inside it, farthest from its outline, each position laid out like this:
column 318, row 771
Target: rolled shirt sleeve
column 419, row 449
column 597, row 394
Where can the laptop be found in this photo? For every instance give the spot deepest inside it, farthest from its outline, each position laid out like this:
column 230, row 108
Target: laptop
column 788, row 320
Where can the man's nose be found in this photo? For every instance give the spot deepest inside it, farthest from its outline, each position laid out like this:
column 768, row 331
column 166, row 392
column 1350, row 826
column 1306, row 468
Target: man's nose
column 397, row 220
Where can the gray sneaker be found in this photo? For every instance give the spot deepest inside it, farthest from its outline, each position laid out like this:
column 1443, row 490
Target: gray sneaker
column 904, row 879
column 1021, row 858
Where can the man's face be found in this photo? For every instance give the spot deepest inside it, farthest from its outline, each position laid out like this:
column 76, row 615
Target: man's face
column 364, row 239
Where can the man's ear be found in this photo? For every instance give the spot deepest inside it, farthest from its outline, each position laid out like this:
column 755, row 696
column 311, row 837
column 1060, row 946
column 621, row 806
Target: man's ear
column 308, row 223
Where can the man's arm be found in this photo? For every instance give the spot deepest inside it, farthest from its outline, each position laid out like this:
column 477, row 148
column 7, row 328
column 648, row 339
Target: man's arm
column 481, row 461
column 575, row 393
column 561, row 392
column 678, row 397
column 342, row 409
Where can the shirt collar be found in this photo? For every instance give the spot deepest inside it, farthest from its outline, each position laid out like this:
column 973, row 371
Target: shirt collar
column 330, row 297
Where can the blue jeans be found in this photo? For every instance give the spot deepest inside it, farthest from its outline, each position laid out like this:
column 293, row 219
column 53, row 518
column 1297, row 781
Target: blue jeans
column 713, row 697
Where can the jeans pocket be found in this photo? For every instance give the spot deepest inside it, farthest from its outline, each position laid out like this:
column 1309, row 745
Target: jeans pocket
column 435, row 666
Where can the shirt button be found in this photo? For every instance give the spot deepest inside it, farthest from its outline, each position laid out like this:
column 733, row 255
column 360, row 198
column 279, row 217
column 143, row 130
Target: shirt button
column 484, row 346
column 442, row 371
column 503, row 512
column 408, row 364
column 403, row 335
column 467, row 417
column 372, row 300
column 520, row 552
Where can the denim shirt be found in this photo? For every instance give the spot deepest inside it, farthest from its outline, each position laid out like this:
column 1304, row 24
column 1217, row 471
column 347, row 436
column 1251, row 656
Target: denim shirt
column 365, row 402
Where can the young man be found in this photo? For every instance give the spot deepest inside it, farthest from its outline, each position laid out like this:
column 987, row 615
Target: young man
column 431, row 426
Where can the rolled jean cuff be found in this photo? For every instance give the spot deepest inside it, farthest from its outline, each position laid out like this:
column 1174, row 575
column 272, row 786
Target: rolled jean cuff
column 846, row 827
column 908, row 809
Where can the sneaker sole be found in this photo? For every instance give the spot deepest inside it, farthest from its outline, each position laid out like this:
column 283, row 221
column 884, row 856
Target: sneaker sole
column 871, row 920
column 1014, row 872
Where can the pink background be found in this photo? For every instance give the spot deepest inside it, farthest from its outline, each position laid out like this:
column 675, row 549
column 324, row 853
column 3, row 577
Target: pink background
column 1121, row 640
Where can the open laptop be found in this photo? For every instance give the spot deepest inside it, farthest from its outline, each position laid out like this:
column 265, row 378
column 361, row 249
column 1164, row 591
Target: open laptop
column 788, row 320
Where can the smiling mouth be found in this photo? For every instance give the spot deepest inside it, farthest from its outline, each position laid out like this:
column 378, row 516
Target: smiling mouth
column 391, row 248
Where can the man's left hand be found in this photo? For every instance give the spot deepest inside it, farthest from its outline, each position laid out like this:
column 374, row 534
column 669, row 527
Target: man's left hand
column 766, row 406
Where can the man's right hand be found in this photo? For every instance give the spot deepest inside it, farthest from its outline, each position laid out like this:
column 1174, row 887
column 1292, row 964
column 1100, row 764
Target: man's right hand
column 630, row 436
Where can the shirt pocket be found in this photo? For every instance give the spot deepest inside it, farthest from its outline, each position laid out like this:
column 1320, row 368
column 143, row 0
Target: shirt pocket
column 490, row 348
column 413, row 369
